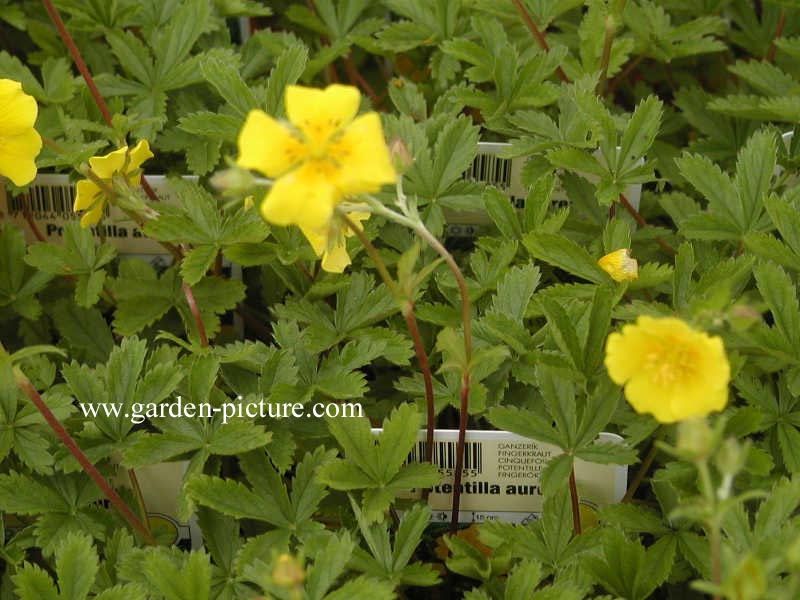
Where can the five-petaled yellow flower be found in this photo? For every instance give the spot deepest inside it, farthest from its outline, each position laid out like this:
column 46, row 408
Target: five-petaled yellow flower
column 669, row 369
column 92, row 198
column 620, row 265
column 321, row 156
column 19, row 141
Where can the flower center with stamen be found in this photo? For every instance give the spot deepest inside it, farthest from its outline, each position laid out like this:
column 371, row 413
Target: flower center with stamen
column 670, row 362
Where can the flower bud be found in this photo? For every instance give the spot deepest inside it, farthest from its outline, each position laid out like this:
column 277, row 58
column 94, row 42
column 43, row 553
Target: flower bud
column 695, row 438
column 401, row 157
column 232, row 180
column 287, row 573
column 619, row 265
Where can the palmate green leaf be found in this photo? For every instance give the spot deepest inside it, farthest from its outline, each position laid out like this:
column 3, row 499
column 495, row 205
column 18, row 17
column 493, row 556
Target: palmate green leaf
column 232, row 498
column 78, row 257
column 755, row 166
column 786, row 220
column 18, row 283
column 84, row 330
column 562, row 328
column 172, row 43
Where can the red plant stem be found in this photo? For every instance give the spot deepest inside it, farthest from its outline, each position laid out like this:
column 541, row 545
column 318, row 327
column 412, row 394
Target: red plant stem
column 87, row 77
column 576, row 511
column 526, row 18
column 407, row 308
column 640, row 473
column 357, row 80
column 642, row 223
column 24, row 384
column 201, row 330
column 625, row 72
column 305, row 271
column 26, row 212
column 422, row 359
column 607, row 43
column 778, row 31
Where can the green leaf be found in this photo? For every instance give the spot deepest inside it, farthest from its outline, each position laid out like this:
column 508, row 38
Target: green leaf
column 288, row 68
column 76, row 566
column 524, row 423
column 398, row 437
column 409, row 534
column 524, row 578
column 562, row 328
column 789, row 442
column 780, row 295
column 232, row 498
column 453, row 153
column 573, row 159
column 33, row 583
column 499, row 208
column 754, row 168
column 220, row 69
column 18, row 284
column 172, row 44
column 599, row 322
column 187, row 578
column 639, row 133
column 564, row 254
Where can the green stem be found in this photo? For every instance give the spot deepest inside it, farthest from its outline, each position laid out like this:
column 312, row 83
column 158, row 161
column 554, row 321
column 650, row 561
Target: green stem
column 712, row 523
column 607, row 42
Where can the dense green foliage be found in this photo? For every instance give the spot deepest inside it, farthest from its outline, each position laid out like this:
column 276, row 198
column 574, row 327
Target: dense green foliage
column 692, row 99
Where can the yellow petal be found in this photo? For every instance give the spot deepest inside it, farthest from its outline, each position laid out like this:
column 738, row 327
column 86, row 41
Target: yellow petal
column 18, row 110
column 646, row 398
column 619, row 265
column 301, row 197
column 105, row 166
column 86, row 194
column 363, row 156
column 140, row 153
column 18, row 156
column 319, row 114
column 356, row 218
column 93, row 216
column 625, row 353
column 317, row 238
column 267, row 146
column 336, row 258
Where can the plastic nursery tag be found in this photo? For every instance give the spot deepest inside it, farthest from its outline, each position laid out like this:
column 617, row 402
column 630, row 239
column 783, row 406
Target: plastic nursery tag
column 500, row 476
column 50, row 199
column 506, row 175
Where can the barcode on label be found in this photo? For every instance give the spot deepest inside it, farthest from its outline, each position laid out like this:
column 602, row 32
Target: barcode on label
column 444, row 455
column 490, row 168
column 46, row 200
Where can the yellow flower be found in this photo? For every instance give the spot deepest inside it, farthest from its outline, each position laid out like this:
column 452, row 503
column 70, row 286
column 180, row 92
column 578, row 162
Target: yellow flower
column 19, row 141
column 90, row 197
column 669, row 369
column 322, row 155
column 620, row 265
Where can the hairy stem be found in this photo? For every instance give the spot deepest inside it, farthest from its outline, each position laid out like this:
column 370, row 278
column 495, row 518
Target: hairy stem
column 624, row 73
column 778, row 31
column 607, row 42
column 576, row 510
column 537, row 34
column 87, row 77
column 137, row 492
column 198, row 321
column 24, row 384
column 407, row 308
column 418, row 226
